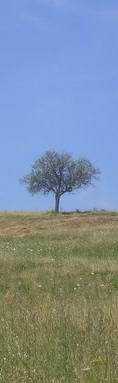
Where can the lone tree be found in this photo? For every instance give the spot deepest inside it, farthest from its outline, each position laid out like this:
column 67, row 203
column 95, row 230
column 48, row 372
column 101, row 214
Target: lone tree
column 59, row 173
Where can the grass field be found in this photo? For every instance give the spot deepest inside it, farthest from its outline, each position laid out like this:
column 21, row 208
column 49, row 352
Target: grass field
column 58, row 298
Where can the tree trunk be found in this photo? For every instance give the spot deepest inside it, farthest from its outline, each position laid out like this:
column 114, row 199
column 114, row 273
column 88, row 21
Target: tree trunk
column 57, row 200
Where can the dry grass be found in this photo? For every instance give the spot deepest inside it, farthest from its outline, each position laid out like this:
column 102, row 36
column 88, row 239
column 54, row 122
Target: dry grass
column 58, row 298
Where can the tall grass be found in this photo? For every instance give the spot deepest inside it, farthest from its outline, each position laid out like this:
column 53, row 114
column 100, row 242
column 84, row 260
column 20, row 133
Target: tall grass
column 58, row 300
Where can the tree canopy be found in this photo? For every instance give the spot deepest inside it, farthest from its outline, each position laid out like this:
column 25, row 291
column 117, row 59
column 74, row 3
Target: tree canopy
column 59, row 173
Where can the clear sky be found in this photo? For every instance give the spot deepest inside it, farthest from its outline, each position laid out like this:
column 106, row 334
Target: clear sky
column 58, row 90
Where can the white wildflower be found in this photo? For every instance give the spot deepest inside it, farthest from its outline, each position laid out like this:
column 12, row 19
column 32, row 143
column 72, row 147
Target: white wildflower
column 86, row 369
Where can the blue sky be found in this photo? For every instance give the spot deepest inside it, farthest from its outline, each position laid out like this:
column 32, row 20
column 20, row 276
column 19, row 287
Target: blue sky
column 59, row 90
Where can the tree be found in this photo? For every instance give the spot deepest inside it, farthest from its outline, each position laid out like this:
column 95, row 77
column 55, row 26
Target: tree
column 59, row 173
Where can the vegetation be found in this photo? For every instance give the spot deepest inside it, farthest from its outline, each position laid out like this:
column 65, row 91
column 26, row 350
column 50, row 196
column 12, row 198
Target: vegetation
column 59, row 174
column 59, row 298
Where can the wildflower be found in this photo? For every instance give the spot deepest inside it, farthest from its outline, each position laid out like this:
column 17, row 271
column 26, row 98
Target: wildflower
column 99, row 359
column 86, row 369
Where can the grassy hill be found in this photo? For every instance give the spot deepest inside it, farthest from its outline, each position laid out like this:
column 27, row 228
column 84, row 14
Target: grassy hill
column 58, row 298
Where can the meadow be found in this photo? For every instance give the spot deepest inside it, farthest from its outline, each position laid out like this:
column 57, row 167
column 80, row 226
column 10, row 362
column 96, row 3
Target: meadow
column 58, row 298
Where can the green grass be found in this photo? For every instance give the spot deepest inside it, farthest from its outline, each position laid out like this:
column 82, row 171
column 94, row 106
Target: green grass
column 58, row 298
